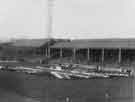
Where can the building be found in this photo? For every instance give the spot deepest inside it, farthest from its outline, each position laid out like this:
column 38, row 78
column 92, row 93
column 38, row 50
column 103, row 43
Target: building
column 99, row 51
column 89, row 51
column 30, row 46
column 27, row 48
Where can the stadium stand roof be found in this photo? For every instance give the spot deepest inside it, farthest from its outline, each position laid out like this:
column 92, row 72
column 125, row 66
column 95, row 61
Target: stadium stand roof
column 97, row 43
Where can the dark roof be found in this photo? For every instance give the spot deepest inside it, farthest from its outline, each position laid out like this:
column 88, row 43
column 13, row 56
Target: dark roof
column 29, row 42
column 97, row 43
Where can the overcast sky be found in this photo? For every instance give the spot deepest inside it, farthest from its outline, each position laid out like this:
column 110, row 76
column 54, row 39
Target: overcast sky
column 71, row 19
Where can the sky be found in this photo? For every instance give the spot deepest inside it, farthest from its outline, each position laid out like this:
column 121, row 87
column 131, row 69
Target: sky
column 23, row 19
column 71, row 19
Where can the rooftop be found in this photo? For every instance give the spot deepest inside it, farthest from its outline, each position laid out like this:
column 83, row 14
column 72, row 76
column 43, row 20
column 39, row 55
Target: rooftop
column 97, row 43
column 29, row 42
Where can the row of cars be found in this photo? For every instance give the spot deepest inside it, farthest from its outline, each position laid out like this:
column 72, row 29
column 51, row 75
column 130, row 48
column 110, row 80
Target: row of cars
column 73, row 71
column 28, row 70
column 69, row 71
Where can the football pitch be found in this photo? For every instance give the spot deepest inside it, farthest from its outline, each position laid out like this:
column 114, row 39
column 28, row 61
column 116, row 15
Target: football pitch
column 44, row 89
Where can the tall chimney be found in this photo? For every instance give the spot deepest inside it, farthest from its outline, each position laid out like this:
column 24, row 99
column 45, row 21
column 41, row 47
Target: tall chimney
column 50, row 4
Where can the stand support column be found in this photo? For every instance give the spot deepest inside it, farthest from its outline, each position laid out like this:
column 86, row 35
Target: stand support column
column 103, row 52
column 61, row 53
column 119, row 56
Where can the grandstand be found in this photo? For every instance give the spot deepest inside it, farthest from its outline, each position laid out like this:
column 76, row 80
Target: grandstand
column 88, row 51
column 99, row 51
